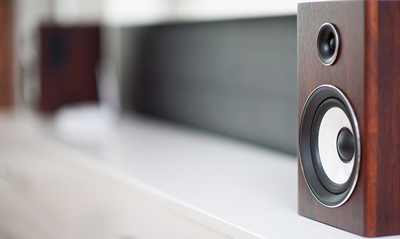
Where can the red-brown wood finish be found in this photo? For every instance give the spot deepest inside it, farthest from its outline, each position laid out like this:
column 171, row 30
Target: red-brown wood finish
column 368, row 72
column 6, row 54
column 68, row 60
column 388, row 121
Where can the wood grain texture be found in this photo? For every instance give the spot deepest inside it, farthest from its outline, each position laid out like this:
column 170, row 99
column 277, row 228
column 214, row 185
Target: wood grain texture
column 370, row 139
column 367, row 72
column 388, row 113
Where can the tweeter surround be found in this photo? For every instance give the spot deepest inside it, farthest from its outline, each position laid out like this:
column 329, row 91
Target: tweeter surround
column 328, row 44
column 329, row 146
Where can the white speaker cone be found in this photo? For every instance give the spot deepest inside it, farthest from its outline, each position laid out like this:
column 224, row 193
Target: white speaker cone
column 332, row 122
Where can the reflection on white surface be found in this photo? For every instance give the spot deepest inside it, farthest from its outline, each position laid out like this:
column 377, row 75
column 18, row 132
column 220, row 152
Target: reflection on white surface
column 87, row 124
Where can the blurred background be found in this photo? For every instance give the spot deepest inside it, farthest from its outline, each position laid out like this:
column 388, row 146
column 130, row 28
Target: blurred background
column 223, row 66
column 144, row 86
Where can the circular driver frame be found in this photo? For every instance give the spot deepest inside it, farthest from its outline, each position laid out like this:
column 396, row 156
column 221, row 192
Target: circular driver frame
column 329, row 198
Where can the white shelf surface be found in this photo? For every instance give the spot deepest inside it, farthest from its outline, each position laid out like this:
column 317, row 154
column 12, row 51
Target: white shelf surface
column 228, row 185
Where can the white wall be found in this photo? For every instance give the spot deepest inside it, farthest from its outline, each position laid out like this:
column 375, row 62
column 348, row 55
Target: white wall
column 128, row 12
column 72, row 11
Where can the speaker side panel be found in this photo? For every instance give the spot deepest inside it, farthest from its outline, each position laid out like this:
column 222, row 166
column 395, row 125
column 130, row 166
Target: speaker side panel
column 388, row 121
column 347, row 73
column 370, row 137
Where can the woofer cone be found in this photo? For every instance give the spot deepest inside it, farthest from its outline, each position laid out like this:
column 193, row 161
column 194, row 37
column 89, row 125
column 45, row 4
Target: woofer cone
column 328, row 44
column 330, row 179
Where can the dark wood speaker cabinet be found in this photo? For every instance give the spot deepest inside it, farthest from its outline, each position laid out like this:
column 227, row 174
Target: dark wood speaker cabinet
column 7, row 54
column 367, row 70
column 69, row 56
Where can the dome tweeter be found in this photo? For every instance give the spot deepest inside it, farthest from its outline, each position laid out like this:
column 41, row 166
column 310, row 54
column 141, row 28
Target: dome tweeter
column 328, row 44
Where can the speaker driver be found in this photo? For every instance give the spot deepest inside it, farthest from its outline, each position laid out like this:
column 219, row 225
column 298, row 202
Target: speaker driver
column 327, row 44
column 329, row 146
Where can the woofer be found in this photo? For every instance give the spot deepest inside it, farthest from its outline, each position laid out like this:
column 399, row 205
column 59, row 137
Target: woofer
column 329, row 145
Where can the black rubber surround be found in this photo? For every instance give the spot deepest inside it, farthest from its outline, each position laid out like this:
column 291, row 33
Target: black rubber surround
column 328, row 44
column 318, row 103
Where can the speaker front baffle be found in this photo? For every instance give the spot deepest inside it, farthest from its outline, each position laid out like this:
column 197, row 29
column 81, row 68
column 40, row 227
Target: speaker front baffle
column 349, row 115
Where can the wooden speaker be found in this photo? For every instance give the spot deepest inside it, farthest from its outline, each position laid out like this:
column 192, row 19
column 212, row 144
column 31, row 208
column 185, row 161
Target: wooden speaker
column 69, row 56
column 349, row 115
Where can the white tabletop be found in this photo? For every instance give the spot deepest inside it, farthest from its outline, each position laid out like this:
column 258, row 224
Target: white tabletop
column 242, row 185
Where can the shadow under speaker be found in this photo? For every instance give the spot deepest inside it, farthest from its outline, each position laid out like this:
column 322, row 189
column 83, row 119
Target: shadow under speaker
column 349, row 115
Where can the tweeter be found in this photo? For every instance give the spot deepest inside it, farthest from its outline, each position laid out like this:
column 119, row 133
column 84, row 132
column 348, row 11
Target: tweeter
column 328, row 44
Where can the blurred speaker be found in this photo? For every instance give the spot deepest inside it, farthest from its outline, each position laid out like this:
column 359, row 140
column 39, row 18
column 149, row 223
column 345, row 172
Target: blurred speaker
column 68, row 60
column 349, row 115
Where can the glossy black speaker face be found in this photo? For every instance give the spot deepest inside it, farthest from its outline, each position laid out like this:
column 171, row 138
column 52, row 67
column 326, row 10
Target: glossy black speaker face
column 328, row 44
column 329, row 145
